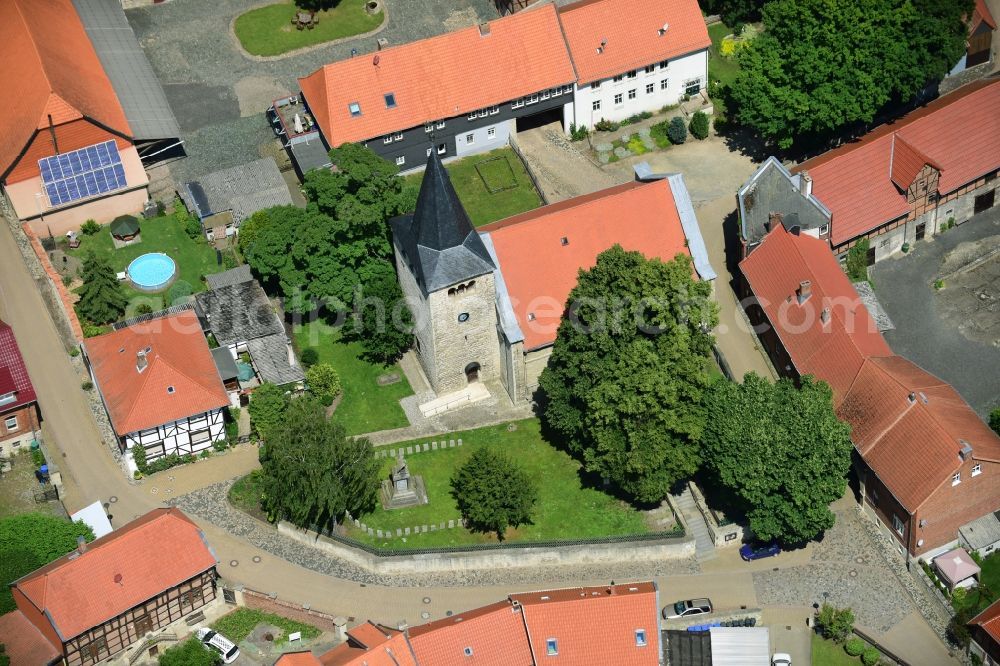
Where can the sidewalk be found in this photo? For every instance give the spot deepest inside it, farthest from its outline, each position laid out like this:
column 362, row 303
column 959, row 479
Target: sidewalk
column 914, row 640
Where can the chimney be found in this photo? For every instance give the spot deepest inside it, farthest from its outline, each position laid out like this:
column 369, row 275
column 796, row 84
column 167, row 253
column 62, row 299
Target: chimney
column 773, row 220
column 804, row 291
column 662, row 31
column 805, row 184
column 966, row 450
column 140, row 361
column 824, row 316
column 81, row 545
column 484, row 29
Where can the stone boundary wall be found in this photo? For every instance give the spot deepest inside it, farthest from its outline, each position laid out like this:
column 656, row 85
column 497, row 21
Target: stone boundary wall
column 513, row 558
column 723, row 536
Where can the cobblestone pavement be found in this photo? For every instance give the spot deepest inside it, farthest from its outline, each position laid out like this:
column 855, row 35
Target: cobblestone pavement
column 210, row 503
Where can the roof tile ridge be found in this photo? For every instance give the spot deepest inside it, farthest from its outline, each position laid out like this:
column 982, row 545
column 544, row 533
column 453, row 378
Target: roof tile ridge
column 142, row 384
column 898, row 134
column 569, row 51
column 34, row 45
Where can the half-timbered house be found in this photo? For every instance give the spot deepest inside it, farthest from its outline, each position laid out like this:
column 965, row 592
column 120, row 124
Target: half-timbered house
column 119, row 592
column 19, row 418
column 160, row 385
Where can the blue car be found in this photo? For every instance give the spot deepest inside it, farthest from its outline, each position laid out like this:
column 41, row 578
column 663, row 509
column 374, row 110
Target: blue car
column 758, row 552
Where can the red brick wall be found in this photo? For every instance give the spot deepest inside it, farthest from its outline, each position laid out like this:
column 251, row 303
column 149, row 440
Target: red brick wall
column 294, row 611
column 56, row 280
column 37, row 618
column 950, row 507
column 27, row 420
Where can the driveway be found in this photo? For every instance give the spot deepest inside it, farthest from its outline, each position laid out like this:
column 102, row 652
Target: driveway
column 934, row 329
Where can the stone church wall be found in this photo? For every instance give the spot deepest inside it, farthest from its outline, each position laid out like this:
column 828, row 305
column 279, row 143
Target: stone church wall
column 457, row 344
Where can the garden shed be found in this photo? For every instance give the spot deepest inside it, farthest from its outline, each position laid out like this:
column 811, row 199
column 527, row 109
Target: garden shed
column 982, row 535
column 957, row 569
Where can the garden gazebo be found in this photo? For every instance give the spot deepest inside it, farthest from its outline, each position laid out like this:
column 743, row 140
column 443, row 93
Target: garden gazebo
column 125, row 227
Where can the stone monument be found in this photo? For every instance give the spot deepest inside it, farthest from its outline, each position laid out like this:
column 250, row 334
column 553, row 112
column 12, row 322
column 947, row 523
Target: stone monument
column 402, row 489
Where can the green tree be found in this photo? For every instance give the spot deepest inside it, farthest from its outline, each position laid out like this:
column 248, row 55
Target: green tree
column 676, row 130
column 312, row 473
column 268, row 404
column 835, row 623
column 856, row 264
column 316, row 5
column 624, row 385
column 820, row 66
column 101, row 298
column 995, row 420
column 323, row 381
column 493, row 493
column 699, row 125
column 190, row 653
column 309, row 357
column 29, row 541
column 781, row 450
column 382, row 320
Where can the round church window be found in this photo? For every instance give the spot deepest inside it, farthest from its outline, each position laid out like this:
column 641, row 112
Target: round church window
column 464, row 317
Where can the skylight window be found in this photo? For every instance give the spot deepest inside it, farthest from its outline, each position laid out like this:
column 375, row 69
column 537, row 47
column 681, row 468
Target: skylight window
column 390, row 101
column 354, row 108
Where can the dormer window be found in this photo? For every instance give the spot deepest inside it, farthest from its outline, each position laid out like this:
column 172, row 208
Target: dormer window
column 977, row 469
column 390, row 101
column 551, row 647
column 8, row 398
column 640, row 638
column 467, row 651
column 956, row 478
column 354, row 108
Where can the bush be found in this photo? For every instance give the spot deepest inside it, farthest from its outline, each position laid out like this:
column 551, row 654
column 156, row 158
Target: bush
column 659, row 134
column 958, row 630
column 578, row 133
column 192, row 227
column 161, row 209
column 604, row 125
column 699, row 125
column 676, row 130
column 143, row 309
column 324, row 382
column 854, row 647
column 870, row 656
column 309, row 357
column 190, row 653
column 90, row 227
column 835, row 623
column 87, row 385
column 67, row 280
column 74, row 352
column 179, row 292
column 37, row 457
column 938, row 285
column 90, row 330
column 857, row 261
column 995, row 420
column 139, row 457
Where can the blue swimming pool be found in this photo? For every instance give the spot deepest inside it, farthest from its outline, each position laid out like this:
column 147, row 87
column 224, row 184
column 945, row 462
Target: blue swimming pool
column 152, row 272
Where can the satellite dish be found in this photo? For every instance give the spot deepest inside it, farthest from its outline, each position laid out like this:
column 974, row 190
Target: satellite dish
column 375, row 60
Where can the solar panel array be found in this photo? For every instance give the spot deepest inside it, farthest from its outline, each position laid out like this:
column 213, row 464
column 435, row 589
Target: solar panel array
column 82, row 173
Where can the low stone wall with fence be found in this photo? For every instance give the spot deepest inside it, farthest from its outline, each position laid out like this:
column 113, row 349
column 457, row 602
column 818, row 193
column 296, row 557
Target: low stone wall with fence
column 611, row 550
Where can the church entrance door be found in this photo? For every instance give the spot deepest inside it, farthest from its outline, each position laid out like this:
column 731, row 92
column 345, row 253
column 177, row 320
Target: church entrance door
column 472, row 372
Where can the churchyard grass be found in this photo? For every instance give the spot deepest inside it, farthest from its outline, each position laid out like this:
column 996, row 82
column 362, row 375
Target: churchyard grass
column 364, row 406
column 566, row 508
column 483, row 206
column 269, row 31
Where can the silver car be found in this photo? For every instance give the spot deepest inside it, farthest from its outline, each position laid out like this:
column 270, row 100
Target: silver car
column 688, row 608
column 216, row 641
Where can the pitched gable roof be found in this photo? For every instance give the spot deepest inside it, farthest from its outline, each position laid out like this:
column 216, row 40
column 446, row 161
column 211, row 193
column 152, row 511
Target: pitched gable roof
column 989, row 620
column 981, row 14
column 833, row 351
column 136, row 562
column 959, row 133
column 13, row 373
column 632, row 33
column 494, row 634
column 639, row 216
column 178, row 359
column 439, row 77
column 23, row 642
column 371, row 644
column 50, row 68
column 906, row 161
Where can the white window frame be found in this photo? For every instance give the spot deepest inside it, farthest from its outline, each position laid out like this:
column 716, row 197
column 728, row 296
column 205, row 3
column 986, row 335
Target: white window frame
column 532, row 99
column 619, row 99
column 595, row 105
column 482, row 113
column 664, row 84
column 440, row 124
column 568, row 88
column 387, row 138
column 956, row 478
column 429, row 152
column 556, row 91
column 472, row 115
column 470, row 139
column 491, row 132
column 551, row 647
column 650, row 88
column 631, row 75
column 546, row 94
column 632, row 93
column 649, row 69
column 977, row 469
column 824, row 230
column 494, row 110
column 398, row 136
column 595, row 85
column 442, row 149
column 517, row 103
column 351, row 109
column 7, row 421
column 429, row 127
column 205, row 435
column 898, row 525
column 401, row 160
column 640, row 638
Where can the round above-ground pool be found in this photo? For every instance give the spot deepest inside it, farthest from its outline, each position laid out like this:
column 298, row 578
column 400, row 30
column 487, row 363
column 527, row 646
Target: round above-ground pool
column 152, row 272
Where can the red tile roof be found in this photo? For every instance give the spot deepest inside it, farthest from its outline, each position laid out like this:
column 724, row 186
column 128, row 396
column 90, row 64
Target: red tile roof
column 594, row 626
column 298, row 659
column 989, row 620
column 959, row 133
column 630, row 31
column 179, row 357
column 50, row 67
column 898, row 411
column 134, row 563
column 370, row 644
column 439, row 77
column 23, row 642
column 982, row 14
column 834, row 351
column 495, row 634
column 13, row 373
column 638, row 216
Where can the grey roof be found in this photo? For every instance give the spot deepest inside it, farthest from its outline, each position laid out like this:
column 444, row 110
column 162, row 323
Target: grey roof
column 773, row 189
column 138, row 90
column 687, row 648
column 310, row 155
column 224, row 363
column 138, row 319
column 238, row 313
column 438, row 239
column 274, row 359
column 740, row 646
column 508, row 320
column 243, row 189
column 981, row 532
column 875, row 309
column 230, row 277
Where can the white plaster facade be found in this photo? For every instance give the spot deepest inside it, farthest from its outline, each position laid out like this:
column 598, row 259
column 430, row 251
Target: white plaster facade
column 647, row 88
column 483, row 139
column 193, row 434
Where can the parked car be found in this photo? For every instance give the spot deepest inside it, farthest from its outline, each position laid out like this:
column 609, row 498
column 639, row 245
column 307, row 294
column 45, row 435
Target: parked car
column 219, row 643
column 781, row 659
column 688, row 608
column 750, row 552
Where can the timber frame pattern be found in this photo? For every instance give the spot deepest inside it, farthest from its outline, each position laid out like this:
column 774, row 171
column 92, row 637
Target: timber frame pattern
column 184, row 436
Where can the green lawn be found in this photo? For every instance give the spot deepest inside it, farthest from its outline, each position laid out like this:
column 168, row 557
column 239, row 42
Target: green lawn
column 828, row 653
column 482, row 206
column 565, row 509
column 268, row 30
column 365, row 406
column 720, row 69
column 194, row 258
column 988, row 591
column 239, row 624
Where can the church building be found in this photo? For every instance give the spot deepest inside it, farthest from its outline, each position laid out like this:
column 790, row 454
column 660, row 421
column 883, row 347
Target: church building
column 487, row 302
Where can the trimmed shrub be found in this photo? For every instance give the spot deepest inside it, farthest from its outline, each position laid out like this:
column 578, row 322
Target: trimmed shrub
column 835, row 623
column 604, row 125
column 699, row 125
column 870, row 656
column 87, row 385
column 324, row 382
column 676, row 130
column 139, row 457
column 90, row 227
column 854, row 647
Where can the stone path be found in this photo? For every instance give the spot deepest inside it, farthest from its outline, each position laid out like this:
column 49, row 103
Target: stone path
column 704, row 546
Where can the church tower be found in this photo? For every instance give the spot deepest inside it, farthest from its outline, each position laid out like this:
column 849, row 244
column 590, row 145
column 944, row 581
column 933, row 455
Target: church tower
column 446, row 274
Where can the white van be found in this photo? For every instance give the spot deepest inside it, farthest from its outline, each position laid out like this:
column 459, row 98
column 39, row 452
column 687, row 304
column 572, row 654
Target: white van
column 219, row 643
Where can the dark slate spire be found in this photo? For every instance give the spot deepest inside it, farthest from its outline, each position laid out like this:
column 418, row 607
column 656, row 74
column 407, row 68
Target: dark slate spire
column 438, row 240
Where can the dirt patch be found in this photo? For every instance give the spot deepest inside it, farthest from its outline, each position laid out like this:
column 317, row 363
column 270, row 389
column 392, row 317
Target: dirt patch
column 970, row 296
column 18, row 487
column 255, row 93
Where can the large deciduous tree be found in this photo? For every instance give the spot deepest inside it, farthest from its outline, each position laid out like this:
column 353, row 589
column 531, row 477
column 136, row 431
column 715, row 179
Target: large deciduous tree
column 101, row 297
column 493, row 493
column 624, row 385
column 382, row 321
column 781, row 451
column 312, row 472
column 822, row 65
column 31, row 540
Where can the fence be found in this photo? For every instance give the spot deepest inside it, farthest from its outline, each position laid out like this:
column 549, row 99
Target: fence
column 527, row 170
column 878, row 646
